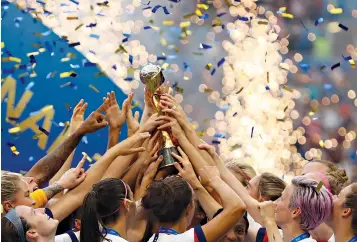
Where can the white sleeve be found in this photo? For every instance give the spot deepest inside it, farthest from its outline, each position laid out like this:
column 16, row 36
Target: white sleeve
column 193, row 235
column 63, row 238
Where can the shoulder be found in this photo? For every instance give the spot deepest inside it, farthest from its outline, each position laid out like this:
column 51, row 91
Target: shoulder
column 69, row 236
column 310, row 239
column 114, row 238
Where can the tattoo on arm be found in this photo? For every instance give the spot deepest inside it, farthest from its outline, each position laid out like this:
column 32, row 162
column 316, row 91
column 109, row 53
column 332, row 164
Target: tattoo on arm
column 52, row 190
column 49, row 165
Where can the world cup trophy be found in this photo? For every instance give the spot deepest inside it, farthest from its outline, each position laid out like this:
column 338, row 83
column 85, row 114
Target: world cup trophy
column 152, row 77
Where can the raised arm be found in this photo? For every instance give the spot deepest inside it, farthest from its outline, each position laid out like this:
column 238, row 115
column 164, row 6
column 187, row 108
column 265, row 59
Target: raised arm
column 116, row 117
column 209, row 205
column 171, row 107
column 267, row 213
column 229, row 178
column 76, row 121
column 120, row 165
column 74, row 198
column 47, row 167
column 233, row 206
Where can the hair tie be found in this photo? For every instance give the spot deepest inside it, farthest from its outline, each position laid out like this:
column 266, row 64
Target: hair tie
column 116, row 210
column 16, row 221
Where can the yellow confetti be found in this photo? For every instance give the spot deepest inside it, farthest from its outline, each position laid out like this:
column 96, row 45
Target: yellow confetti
column 14, row 130
column 263, row 22
column 282, row 9
column 287, row 15
column 168, row 23
column 14, row 150
column 2, row 44
column 185, row 24
column 352, row 63
column 65, row 59
column 97, row 156
column 65, row 85
column 42, row 50
column 88, row 158
column 163, row 41
column 321, row 143
column 284, row 66
column 11, row 58
column 33, row 74
column 72, row 18
column 203, row 6
column 66, row 74
column 319, row 186
column 121, row 48
column 198, row 13
column 209, row 66
column 33, row 53
column 336, row 11
column 287, row 88
column 311, row 113
column 164, row 66
column 94, row 88
column 78, row 27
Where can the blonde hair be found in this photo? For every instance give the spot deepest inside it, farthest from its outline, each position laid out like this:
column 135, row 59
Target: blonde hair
column 330, row 165
column 337, row 180
column 242, row 169
column 270, row 186
column 9, row 185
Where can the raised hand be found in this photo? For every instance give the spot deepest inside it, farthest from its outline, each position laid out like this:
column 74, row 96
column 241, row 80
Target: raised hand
column 172, row 124
column 127, row 147
column 132, row 122
column 267, row 211
column 208, row 174
column 94, row 122
column 152, row 123
column 211, row 150
column 74, row 176
column 77, row 116
column 170, row 106
column 116, row 117
column 186, row 170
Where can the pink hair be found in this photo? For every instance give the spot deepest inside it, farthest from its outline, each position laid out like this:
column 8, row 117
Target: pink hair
column 315, row 205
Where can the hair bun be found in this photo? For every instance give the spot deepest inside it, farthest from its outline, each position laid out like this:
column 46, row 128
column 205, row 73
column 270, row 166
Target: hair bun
column 340, row 174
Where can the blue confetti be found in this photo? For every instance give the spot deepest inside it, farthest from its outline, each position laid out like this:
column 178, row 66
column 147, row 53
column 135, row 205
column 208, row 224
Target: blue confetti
column 235, row 114
column 29, row 86
column 94, row 36
column 128, row 79
column 30, row 158
column 147, row 27
column 204, row 46
column 161, row 58
column 221, row 14
column 131, row 59
column 251, row 134
column 86, row 63
column 345, row 28
column 318, row 21
column 159, row 6
column 224, row 107
column 216, row 142
column 220, row 136
column 75, row 2
column 267, row 88
column 74, row 66
column 85, row 140
column 221, row 62
column 242, row 18
column 347, row 58
column 91, row 25
column 204, row 16
column 213, row 71
column 328, row 86
column 305, row 67
column 186, row 66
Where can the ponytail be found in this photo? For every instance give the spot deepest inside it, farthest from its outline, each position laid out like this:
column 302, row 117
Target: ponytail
column 90, row 230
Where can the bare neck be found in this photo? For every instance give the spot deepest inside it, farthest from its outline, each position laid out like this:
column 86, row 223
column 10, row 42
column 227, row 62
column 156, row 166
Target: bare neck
column 120, row 226
column 180, row 226
column 322, row 232
column 291, row 231
column 342, row 232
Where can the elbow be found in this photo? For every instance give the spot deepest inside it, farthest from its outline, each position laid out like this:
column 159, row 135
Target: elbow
column 239, row 209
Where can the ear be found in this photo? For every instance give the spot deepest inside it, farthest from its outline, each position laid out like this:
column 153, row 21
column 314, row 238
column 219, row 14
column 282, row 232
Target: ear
column 296, row 212
column 31, row 235
column 7, row 206
column 346, row 212
column 77, row 224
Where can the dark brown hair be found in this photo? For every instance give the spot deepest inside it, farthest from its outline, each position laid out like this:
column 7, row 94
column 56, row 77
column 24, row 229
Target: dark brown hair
column 351, row 202
column 8, row 231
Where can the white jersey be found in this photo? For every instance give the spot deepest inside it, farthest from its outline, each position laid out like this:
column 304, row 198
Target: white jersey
column 74, row 237
column 193, row 235
column 332, row 239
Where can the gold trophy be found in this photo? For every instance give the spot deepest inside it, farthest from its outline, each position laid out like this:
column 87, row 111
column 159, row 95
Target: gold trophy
column 152, row 77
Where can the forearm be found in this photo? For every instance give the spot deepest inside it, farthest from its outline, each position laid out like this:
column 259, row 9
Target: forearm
column 113, row 137
column 196, row 141
column 74, row 198
column 251, row 203
column 66, row 166
column 146, row 114
column 118, row 167
column 132, row 174
column 52, row 190
column 209, row 205
column 193, row 154
column 48, row 166
column 228, row 197
column 272, row 231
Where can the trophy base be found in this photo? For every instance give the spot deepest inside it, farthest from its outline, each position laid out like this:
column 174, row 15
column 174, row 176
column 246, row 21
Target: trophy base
column 168, row 159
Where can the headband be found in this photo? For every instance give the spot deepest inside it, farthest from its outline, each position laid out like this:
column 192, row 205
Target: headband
column 116, row 210
column 16, row 221
column 324, row 179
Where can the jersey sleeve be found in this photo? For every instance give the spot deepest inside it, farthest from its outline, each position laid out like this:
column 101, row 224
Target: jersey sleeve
column 193, row 235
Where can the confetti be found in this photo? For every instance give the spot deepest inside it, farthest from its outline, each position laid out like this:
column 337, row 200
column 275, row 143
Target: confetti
column 29, row 86
column 336, row 11
column 216, row 142
column 74, row 44
column 352, row 63
column 286, row 88
column 263, row 22
column 88, row 158
column 221, row 62
column 2, row 44
column 208, row 90
column 209, row 66
column 72, row 18
column 319, row 186
column 213, row 71
column 287, row 15
column 68, row 74
column 14, row 150
column 131, row 59
column 345, row 28
column 185, row 24
column 335, row 66
column 14, row 130
column 95, row 36
column 11, row 59
column 93, row 88
column 251, row 133
column 78, row 27
column 318, row 21
column 96, row 156
column 235, row 114
column 154, row 9
column 240, row 90
column 179, row 89
column 168, row 23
